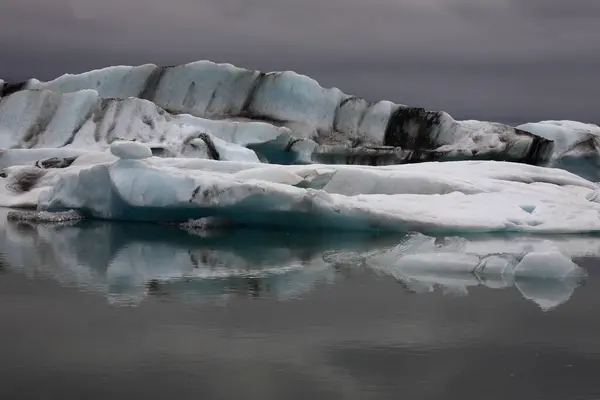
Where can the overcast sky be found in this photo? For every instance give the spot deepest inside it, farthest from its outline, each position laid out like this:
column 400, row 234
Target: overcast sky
column 496, row 59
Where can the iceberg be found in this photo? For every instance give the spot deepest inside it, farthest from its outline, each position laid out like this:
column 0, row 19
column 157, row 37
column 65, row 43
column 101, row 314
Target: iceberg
column 218, row 151
column 127, row 264
column 212, row 142
column 284, row 116
column 576, row 145
column 430, row 197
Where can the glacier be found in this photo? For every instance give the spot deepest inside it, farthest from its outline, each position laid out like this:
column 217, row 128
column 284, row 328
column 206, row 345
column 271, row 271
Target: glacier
column 283, row 116
column 127, row 264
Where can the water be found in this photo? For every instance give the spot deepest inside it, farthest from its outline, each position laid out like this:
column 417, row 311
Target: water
column 97, row 310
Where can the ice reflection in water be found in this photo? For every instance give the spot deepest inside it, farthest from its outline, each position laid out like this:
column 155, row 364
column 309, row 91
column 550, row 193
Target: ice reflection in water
column 128, row 262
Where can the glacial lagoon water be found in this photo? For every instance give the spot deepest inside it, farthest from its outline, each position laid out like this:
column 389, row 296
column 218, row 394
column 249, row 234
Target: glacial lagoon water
column 97, row 310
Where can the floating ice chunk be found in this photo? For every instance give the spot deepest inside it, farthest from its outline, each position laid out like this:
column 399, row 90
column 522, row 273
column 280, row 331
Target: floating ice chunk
column 552, row 264
column 548, row 279
column 130, row 150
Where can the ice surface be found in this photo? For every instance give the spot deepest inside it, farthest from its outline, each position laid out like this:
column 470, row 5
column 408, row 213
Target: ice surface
column 347, row 129
column 429, row 197
column 128, row 264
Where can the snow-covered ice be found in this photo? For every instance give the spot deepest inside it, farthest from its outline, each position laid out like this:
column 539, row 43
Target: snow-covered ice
column 463, row 196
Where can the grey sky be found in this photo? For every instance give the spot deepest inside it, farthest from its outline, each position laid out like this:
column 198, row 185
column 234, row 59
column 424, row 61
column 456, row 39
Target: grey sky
column 497, row 59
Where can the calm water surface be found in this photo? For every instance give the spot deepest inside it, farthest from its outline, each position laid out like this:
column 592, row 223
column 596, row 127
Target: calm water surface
column 98, row 310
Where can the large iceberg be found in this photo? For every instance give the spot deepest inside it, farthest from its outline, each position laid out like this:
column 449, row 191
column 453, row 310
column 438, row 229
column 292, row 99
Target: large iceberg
column 270, row 113
column 211, row 148
column 212, row 142
column 463, row 196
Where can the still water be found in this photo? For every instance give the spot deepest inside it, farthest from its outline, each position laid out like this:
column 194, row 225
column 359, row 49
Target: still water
column 97, row 310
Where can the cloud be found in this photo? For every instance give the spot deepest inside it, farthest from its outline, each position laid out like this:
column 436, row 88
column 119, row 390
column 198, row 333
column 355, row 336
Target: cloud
column 558, row 9
column 465, row 56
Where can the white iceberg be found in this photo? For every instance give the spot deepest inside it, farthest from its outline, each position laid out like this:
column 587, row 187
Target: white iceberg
column 155, row 104
column 465, row 196
column 200, row 144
